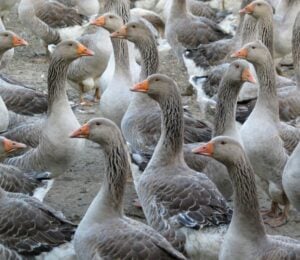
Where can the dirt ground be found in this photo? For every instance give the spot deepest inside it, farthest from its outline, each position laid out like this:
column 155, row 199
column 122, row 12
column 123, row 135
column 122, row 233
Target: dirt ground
column 73, row 192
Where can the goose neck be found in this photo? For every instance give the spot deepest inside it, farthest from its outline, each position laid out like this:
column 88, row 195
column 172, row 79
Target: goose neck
column 178, row 9
column 149, row 55
column 121, row 56
column 248, row 30
column 246, row 216
column 226, row 107
column 57, row 76
column 265, row 31
column 169, row 147
column 267, row 101
column 296, row 49
column 108, row 203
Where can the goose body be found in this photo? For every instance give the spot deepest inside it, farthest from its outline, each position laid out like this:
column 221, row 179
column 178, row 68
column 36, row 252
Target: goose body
column 183, row 205
column 60, row 119
column 104, row 231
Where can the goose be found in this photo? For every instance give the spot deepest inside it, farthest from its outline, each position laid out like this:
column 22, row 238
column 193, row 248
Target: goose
column 184, row 30
column 16, row 96
column 246, row 235
column 180, row 203
column 84, row 73
column 33, row 227
column 11, row 178
column 116, row 98
column 60, row 118
column 286, row 13
column 224, row 124
column 104, row 231
column 204, row 56
column 51, row 21
column 143, row 137
column 262, row 128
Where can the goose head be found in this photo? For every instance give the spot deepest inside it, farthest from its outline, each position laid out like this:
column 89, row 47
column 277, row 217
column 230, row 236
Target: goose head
column 222, row 148
column 132, row 31
column 70, row 50
column 156, row 86
column 258, row 8
column 98, row 130
column 10, row 40
column 109, row 21
column 254, row 52
column 239, row 71
column 8, row 146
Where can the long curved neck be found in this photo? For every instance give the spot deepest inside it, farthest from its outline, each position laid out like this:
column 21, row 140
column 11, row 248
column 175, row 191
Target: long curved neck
column 248, row 30
column 57, row 76
column 296, row 48
column 267, row 95
column 178, row 9
column 117, row 168
column 108, row 203
column 226, row 107
column 169, row 147
column 121, row 56
column 265, row 31
column 246, row 216
column 149, row 55
column 149, row 66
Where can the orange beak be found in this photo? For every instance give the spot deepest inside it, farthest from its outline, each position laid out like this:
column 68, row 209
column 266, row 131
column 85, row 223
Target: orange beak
column 10, row 146
column 82, row 132
column 84, row 51
column 121, row 33
column 249, row 9
column 17, row 41
column 206, row 149
column 141, row 87
column 242, row 53
column 247, row 76
column 100, row 21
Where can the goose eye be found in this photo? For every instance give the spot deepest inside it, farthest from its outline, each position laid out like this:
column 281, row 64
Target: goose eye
column 70, row 44
column 133, row 26
column 223, row 142
column 258, row 4
column 156, row 80
column 110, row 17
column 98, row 123
column 253, row 47
column 237, row 66
column 6, row 35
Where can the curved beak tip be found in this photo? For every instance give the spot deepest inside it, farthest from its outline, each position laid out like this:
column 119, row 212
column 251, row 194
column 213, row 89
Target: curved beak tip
column 82, row 132
column 142, row 87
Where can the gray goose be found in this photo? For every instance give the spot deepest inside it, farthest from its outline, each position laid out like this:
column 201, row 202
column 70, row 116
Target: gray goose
column 180, row 203
column 261, row 133
column 52, row 133
column 51, row 21
column 246, row 235
column 116, row 98
column 11, row 178
column 104, row 232
column 33, row 227
column 141, row 122
column 224, row 124
column 183, row 30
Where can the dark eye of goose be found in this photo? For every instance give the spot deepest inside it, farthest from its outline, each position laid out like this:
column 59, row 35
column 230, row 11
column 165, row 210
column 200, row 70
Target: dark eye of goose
column 133, row 26
column 223, row 142
column 156, row 80
column 111, row 17
column 6, row 35
column 258, row 4
column 253, row 47
column 237, row 66
column 70, row 44
column 98, row 123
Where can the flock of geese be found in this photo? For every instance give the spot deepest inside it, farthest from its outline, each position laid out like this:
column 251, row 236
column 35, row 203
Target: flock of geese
column 188, row 170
